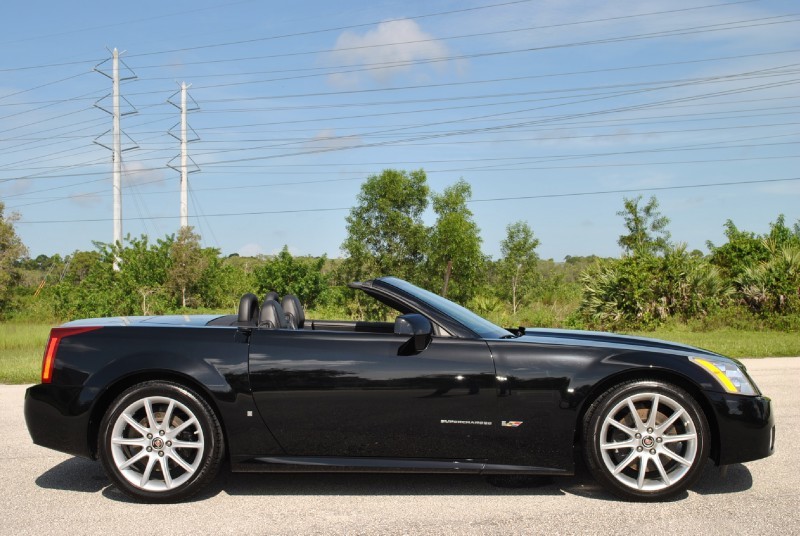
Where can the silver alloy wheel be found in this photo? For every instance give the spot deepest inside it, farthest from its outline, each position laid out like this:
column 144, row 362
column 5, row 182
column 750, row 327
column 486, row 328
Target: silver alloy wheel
column 648, row 441
column 157, row 443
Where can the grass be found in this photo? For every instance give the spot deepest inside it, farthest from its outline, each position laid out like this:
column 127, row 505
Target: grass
column 734, row 343
column 22, row 346
column 21, row 350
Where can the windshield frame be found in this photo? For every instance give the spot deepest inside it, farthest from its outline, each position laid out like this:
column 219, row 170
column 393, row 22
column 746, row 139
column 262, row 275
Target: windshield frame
column 473, row 322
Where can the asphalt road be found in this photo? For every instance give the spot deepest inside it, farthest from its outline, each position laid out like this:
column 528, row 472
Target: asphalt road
column 44, row 492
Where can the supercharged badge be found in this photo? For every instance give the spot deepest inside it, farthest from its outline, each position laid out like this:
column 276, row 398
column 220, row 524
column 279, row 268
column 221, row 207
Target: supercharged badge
column 453, row 421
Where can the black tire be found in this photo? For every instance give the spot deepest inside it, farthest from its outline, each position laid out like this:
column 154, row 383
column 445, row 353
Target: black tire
column 160, row 442
column 646, row 455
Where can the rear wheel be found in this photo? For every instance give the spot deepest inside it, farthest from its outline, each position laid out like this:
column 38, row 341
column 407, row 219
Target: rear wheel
column 160, row 442
column 646, row 440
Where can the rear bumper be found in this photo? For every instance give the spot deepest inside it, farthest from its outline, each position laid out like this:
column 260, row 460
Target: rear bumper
column 746, row 427
column 50, row 424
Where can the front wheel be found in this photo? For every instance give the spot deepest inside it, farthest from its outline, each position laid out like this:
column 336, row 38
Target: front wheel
column 160, row 442
column 646, row 440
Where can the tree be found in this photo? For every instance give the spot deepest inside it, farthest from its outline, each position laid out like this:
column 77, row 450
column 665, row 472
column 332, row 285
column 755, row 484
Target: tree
column 286, row 274
column 93, row 288
column 143, row 266
column 781, row 235
column 223, row 281
column 187, row 262
column 385, row 232
column 647, row 228
column 455, row 256
column 742, row 250
column 517, row 267
column 11, row 251
column 79, row 265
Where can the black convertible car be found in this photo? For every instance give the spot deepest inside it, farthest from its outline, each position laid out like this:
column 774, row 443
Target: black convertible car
column 163, row 401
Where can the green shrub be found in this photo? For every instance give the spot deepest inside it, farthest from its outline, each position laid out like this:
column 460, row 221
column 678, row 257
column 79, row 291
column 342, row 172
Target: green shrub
column 773, row 286
column 644, row 290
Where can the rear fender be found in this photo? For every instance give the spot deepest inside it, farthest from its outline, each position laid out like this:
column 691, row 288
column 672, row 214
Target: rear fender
column 223, row 383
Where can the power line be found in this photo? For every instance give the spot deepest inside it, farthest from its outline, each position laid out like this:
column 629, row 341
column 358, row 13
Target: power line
column 207, row 142
column 217, row 45
column 667, row 33
column 506, row 126
column 40, row 86
column 538, row 159
column 40, row 201
column 506, row 103
column 336, row 29
column 632, row 190
column 579, row 115
column 181, row 13
column 605, row 123
column 372, row 23
column 635, row 37
column 43, row 170
column 428, row 86
column 549, row 26
column 487, row 200
column 417, row 62
column 692, row 147
column 398, row 43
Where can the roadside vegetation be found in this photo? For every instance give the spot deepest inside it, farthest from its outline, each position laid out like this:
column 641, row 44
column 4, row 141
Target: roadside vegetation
column 742, row 298
column 21, row 351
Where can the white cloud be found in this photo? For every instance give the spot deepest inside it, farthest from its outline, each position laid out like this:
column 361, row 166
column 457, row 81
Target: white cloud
column 376, row 47
column 251, row 250
column 87, row 200
column 18, row 186
column 138, row 174
column 781, row 188
column 327, row 139
column 293, row 250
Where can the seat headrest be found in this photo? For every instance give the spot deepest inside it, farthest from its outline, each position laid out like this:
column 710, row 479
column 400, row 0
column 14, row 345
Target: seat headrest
column 295, row 315
column 272, row 315
column 272, row 295
column 248, row 309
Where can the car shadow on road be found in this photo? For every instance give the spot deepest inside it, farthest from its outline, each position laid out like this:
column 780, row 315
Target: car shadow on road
column 369, row 484
column 80, row 475
column 74, row 474
column 717, row 481
column 712, row 482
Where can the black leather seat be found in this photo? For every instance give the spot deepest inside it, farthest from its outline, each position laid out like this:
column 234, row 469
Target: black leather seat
column 272, row 316
column 295, row 316
column 248, row 310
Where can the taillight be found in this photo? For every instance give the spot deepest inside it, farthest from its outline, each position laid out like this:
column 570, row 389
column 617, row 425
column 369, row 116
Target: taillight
column 56, row 334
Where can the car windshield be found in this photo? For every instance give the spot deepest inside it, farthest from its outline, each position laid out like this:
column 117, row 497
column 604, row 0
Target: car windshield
column 475, row 323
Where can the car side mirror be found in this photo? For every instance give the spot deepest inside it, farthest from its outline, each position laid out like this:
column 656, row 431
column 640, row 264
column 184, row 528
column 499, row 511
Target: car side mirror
column 418, row 328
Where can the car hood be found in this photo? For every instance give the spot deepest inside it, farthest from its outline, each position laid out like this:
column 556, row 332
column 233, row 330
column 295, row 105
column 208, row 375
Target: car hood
column 606, row 340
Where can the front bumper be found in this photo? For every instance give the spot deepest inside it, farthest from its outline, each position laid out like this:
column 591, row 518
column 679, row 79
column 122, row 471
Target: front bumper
column 746, row 426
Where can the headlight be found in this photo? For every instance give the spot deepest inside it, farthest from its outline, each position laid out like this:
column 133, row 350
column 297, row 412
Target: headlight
column 727, row 373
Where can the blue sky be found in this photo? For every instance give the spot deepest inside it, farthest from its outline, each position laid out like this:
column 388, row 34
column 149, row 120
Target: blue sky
column 542, row 106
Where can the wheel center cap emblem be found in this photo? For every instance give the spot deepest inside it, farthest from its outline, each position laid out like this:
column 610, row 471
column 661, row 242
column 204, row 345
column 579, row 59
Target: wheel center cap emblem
column 158, row 443
column 648, row 442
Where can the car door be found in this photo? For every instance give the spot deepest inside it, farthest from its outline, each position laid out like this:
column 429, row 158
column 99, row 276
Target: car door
column 349, row 394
